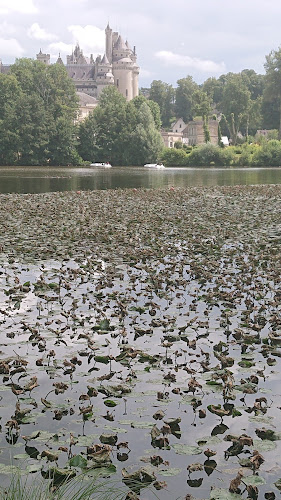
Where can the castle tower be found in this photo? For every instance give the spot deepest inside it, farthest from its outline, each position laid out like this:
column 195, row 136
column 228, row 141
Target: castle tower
column 44, row 58
column 104, row 75
column 59, row 60
column 108, row 43
column 136, row 72
column 125, row 69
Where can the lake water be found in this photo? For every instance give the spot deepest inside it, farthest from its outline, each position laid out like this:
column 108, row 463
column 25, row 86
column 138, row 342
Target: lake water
column 134, row 323
column 43, row 179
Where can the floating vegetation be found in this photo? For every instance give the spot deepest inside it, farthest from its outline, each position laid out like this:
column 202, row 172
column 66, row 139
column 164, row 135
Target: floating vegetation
column 140, row 340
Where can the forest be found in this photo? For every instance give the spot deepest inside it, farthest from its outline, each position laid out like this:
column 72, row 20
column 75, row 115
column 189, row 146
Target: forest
column 39, row 109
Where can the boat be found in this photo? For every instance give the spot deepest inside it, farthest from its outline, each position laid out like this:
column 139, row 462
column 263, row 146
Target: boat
column 103, row 164
column 158, row 166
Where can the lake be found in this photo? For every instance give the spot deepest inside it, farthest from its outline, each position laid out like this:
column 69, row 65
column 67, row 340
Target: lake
column 140, row 332
column 44, row 179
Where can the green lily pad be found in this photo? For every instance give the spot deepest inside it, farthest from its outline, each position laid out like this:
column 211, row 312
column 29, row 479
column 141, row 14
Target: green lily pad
column 116, row 430
column 101, row 471
column 253, row 480
column 278, row 484
column 21, row 456
column 185, row 449
column 110, row 403
column 208, row 440
column 264, row 445
column 261, row 418
column 141, row 425
column 221, row 494
column 87, row 440
column 173, row 471
column 78, row 461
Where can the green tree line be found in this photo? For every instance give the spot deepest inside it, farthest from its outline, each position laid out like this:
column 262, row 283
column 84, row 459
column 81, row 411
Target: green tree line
column 39, row 108
column 245, row 101
column 38, row 121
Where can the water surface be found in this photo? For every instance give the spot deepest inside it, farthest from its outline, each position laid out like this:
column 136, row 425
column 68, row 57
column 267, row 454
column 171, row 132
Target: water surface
column 44, row 179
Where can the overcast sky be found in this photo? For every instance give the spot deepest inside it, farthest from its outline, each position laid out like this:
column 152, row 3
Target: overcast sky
column 173, row 38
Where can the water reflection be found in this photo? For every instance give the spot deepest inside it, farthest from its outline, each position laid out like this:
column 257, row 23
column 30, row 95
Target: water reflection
column 43, row 179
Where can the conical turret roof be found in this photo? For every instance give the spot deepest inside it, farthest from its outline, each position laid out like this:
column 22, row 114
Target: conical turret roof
column 120, row 44
column 59, row 60
column 104, row 60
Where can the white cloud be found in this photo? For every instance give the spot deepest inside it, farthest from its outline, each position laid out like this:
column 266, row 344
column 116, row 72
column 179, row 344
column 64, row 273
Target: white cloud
column 7, row 29
column 178, row 60
column 39, row 33
column 21, row 6
column 10, row 47
column 60, row 48
column 90, row 38
column 144, row 73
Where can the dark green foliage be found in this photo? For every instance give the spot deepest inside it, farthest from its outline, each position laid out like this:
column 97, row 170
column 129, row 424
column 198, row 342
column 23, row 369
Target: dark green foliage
column 273, row 81
column 173, row 157
column 38, row 107
column 120, row 132
column 184, row 105
column 163, row 94
column 209, row 154
column 268, row 155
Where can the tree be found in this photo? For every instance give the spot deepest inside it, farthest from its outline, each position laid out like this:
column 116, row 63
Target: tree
column 47, row 107
column 235, row 104
column 164, row 95
column 145, row 139
column 121, row 132
column 254, row 83
column 214, row 89
column 154, row 108
column 273, row 81
column 184, row 105
column 253, row 117
column 105, row 138
column 9, row 138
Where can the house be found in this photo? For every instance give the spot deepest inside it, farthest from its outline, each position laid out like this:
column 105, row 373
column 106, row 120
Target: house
column 193, row 134
column 170, row 138
column 86, row 104
column 174, row 134
column 178, row 126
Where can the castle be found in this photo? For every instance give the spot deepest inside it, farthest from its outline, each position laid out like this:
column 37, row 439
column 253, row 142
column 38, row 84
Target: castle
column 117, row 67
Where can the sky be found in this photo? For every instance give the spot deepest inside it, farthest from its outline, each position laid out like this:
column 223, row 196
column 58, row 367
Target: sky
column 173, row 38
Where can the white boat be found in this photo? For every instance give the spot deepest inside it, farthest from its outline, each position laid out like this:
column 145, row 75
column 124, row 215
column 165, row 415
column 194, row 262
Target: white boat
column 104, row 165
column 159, row 166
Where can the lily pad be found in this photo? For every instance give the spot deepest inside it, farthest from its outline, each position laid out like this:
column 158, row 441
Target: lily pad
column 78, row 461
column 278, row 484
column 173, row 471
column 253, row 480
column 222, row 494
column 264, row 445
column 185, row 449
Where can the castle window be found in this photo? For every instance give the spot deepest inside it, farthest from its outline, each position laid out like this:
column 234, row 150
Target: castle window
column 117, row 83
column 126, row 92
